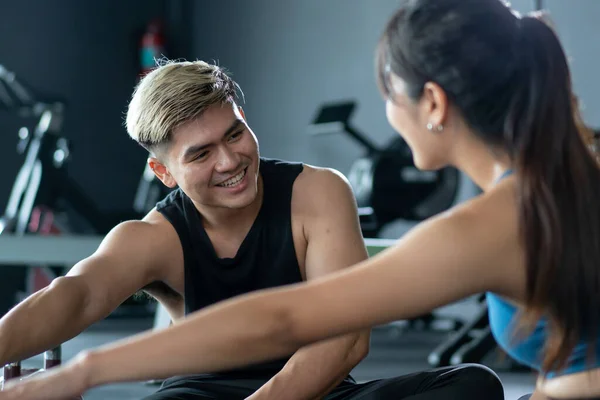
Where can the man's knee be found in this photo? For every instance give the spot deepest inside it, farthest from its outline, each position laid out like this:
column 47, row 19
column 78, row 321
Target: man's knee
column 169, row 395
column 484, row 379
column 179, row 394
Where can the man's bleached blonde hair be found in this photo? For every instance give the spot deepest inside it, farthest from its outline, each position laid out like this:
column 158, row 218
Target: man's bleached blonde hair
column 172, row 94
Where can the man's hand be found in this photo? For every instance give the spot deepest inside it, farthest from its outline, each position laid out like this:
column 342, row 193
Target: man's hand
column 66, row 382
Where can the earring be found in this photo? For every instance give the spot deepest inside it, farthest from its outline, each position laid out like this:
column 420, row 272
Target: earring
column 438, row 128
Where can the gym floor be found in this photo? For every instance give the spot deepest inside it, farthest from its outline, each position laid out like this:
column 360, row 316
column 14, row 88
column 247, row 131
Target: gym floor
column 393, row 352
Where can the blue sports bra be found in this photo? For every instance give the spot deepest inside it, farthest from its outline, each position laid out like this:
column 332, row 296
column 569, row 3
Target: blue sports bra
column 529, row 350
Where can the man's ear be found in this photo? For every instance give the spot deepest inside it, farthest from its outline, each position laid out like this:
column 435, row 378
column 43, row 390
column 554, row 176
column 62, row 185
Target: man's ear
column 162, row 172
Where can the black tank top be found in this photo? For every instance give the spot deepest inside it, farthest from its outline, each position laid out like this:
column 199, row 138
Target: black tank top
column 266, row 257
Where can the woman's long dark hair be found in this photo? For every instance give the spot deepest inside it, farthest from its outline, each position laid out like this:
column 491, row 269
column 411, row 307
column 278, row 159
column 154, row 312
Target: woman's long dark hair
column 509, row 77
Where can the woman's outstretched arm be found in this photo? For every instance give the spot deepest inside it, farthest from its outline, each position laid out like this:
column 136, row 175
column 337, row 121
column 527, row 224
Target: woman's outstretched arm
column 441, row 261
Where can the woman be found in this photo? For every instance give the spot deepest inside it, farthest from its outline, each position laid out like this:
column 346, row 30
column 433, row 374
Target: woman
column 467, row 83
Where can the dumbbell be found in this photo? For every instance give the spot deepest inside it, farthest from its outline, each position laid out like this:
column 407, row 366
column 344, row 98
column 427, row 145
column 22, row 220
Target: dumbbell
column 52, row 358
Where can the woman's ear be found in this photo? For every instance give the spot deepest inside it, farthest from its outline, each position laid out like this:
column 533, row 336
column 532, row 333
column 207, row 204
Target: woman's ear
column 434, row 105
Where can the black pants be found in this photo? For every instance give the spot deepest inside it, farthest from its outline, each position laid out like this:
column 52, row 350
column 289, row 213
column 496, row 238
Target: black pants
column 527, row 397
column 469, row 381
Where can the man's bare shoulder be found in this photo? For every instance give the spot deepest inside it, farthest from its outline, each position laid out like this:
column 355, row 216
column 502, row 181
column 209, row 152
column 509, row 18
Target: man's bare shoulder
column 161, row 231
column 318, row 185
column 154, row 242
column 152, row 236
column 312, row 172
column 156, row 220
column 151, row 225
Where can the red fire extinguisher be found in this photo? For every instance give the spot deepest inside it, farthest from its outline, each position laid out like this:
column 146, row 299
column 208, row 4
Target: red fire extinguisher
column 152, row 46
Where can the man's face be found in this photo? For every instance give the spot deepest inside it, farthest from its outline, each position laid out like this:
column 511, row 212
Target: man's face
column 214, row 159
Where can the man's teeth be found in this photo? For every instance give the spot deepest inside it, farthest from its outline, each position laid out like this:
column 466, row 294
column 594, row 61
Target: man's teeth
column 235, row 180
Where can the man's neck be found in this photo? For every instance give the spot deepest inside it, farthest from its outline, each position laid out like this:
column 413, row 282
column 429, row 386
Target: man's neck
column 218, row 218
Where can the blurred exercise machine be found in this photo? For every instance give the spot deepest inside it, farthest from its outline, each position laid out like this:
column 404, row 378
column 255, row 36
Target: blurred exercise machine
column 43, row 181
column 45, row 200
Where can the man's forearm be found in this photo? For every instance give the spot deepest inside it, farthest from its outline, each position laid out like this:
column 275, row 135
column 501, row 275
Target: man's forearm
column 42, row 321
column 313, row 371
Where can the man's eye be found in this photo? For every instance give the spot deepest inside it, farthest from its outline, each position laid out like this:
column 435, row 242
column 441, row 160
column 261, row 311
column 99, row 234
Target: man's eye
column 201, row 155
column 236, row 135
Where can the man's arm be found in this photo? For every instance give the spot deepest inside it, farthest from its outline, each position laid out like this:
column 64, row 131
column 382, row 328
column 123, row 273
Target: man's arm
column 91, row 290
column 334, row 242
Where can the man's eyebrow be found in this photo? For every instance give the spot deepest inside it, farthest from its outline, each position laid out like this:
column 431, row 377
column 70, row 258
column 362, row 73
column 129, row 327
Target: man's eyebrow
column 195, row 149
column 233, row 127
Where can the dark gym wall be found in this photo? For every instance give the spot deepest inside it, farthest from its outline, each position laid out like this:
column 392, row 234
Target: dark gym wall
column 578, row 28
column 85, row 52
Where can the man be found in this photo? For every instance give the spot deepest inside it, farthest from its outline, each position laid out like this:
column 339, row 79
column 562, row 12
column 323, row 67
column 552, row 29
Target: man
column 238, row 223
column 235, row 223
